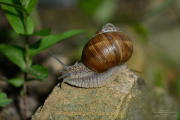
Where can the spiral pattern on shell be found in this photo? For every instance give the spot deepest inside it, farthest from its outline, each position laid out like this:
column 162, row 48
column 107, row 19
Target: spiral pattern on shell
column 108, row 47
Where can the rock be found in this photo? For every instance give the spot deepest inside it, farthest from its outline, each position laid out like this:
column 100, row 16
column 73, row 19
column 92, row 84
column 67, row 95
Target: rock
column 126, row 98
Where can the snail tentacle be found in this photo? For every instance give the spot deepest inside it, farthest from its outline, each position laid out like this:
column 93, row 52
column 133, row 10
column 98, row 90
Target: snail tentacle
column 60, row 71
column 65, row 75
column 64, row 66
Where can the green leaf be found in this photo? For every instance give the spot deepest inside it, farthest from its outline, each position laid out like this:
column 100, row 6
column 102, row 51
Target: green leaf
column 50, row 40
column 16, row 82
column 30, row 4
column 43, row 32
column 3, row 99
column 30, row 25
column 38, row 71
column 30, row 62
column 14, row 53
column 24, row 2
column 3, row 95
column 18, row 7
column 16, row 18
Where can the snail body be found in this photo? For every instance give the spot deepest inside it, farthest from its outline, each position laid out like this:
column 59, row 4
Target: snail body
column 103, row 58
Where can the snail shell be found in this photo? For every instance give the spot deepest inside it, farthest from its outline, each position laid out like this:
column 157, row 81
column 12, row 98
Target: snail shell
column 108, row 47
column 103, row 58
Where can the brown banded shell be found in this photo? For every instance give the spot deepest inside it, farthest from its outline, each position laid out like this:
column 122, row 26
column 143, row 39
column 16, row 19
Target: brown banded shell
column 108, row 47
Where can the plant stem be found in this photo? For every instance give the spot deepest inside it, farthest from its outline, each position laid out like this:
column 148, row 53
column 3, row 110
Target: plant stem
column 24, row 96
column 27, row 65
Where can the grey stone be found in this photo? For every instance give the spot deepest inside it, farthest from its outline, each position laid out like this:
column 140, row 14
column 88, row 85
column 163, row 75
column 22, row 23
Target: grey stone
column 126, row 98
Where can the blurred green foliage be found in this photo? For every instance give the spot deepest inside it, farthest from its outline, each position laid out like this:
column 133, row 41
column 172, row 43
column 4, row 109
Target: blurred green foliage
column 18, row 16
column 163, row 6
column 23, row 25
column 16, row 82
column 101, row 10
column 142, row 31
column 89, row 6
column 15, row 17
column 3, row 99
column 50, row 40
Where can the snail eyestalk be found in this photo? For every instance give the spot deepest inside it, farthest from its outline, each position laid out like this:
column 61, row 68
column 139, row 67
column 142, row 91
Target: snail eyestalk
column 65, row 75
column 64, row 66
column 60, row 71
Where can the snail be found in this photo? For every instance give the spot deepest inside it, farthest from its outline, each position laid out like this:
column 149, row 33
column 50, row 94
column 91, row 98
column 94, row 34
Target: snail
column 103, row 58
